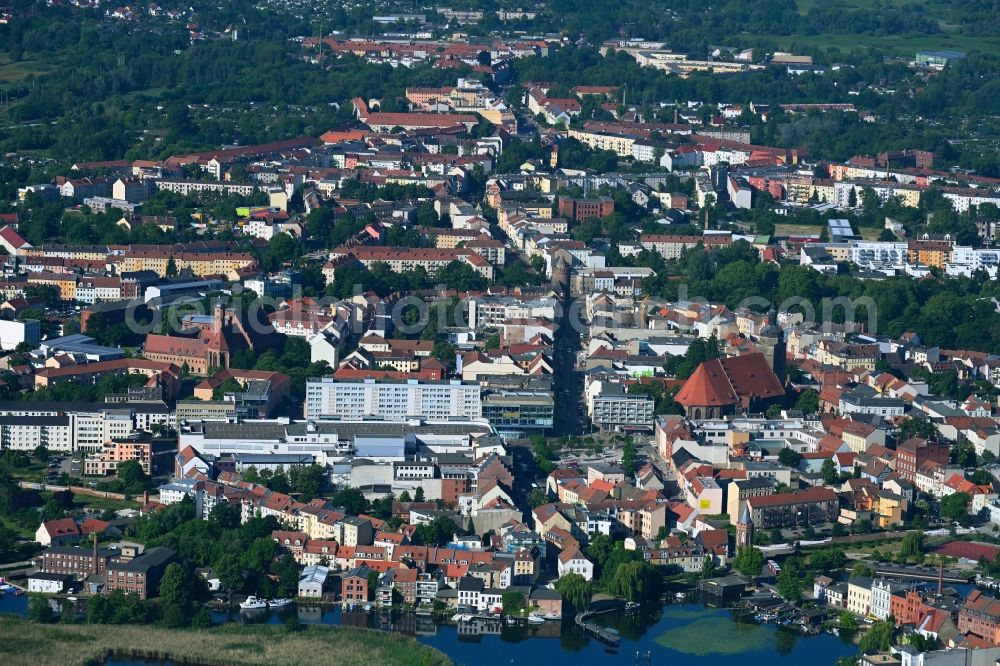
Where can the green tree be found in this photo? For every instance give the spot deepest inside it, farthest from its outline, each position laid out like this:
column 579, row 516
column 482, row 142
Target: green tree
column 230, row 572
column 67, row 612
column 878, row 638
column 789, row 584
column 228, row 386
column 134, row 480
column 225, row 515
column 352, row 500
column 438, row 532
column 636, row 581
column 575, row 590
column 708, row 569
column 912, row 547
column 955, row 507
column 829, row 472
column 288, row 576
column 846, row 621
column 749, row 561
column 178, row 594
column 629, row 453
column 916, row 426
column 40, row 610
column 513, row 603
column 307, row 481
column 789, row 457
column 862, row 569
column 963, row 454
column 537, row 497
column 808, row 402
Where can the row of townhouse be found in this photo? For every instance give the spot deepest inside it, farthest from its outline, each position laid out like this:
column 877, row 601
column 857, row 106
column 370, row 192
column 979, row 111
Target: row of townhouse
column 401, row 259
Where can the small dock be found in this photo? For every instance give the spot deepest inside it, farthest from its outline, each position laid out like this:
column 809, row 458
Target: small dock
column 606, row 635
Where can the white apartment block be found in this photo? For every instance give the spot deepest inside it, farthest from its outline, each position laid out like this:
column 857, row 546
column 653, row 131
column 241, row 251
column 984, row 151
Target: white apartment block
column 392, row 400
column 873, row 253
column 967, row 260
column 497, row 310
column 24, row 433
column 185, row 187
column 961, row 198
column 73, row 426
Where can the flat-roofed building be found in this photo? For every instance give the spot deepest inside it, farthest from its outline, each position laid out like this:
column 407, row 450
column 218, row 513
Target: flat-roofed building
column 813, row 506
column 140, row 575
column 392, row 400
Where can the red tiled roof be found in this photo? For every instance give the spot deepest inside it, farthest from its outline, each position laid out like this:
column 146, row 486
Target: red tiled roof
column 708, row 386
column 62, row 527
column 94, row 525
column 725, row 381
column 10, row 236
column 969, row 550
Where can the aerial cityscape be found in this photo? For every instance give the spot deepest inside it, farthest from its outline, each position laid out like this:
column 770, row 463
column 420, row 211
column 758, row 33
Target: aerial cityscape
column 500, row 333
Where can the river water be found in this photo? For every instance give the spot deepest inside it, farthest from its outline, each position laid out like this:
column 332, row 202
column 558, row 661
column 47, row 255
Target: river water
column 676, row 634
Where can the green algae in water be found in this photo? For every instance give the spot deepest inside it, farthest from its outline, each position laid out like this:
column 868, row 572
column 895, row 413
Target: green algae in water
column 679, row 613
column 716, row 635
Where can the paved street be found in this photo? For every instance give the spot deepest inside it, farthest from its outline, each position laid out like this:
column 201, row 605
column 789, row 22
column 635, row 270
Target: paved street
column 567, row 382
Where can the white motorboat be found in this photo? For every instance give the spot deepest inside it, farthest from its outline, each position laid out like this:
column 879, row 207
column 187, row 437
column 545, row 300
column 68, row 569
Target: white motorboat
column 679, row 596
column 279, row 603
column 536, row 619
column 253, row 603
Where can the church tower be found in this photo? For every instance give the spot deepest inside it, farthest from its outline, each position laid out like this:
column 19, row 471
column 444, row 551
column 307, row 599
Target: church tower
column 771, row 341
column 744, row 530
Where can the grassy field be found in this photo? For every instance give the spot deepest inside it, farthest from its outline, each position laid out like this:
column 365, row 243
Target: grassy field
column 806, row 5
column 101, row 504
column 12, row 72
column 868, row 233
column 796, row 229
column 903, row 45
column 67, row 645
column 21, row 531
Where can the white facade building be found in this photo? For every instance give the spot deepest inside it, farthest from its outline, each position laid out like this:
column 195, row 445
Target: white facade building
column 47, row 583
column 13, row 333
column 392, row 400
column 872, row 254
column 967, row 260
column 574, row 562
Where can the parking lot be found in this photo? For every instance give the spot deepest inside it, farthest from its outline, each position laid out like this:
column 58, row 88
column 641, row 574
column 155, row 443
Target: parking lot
column 70, row 465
